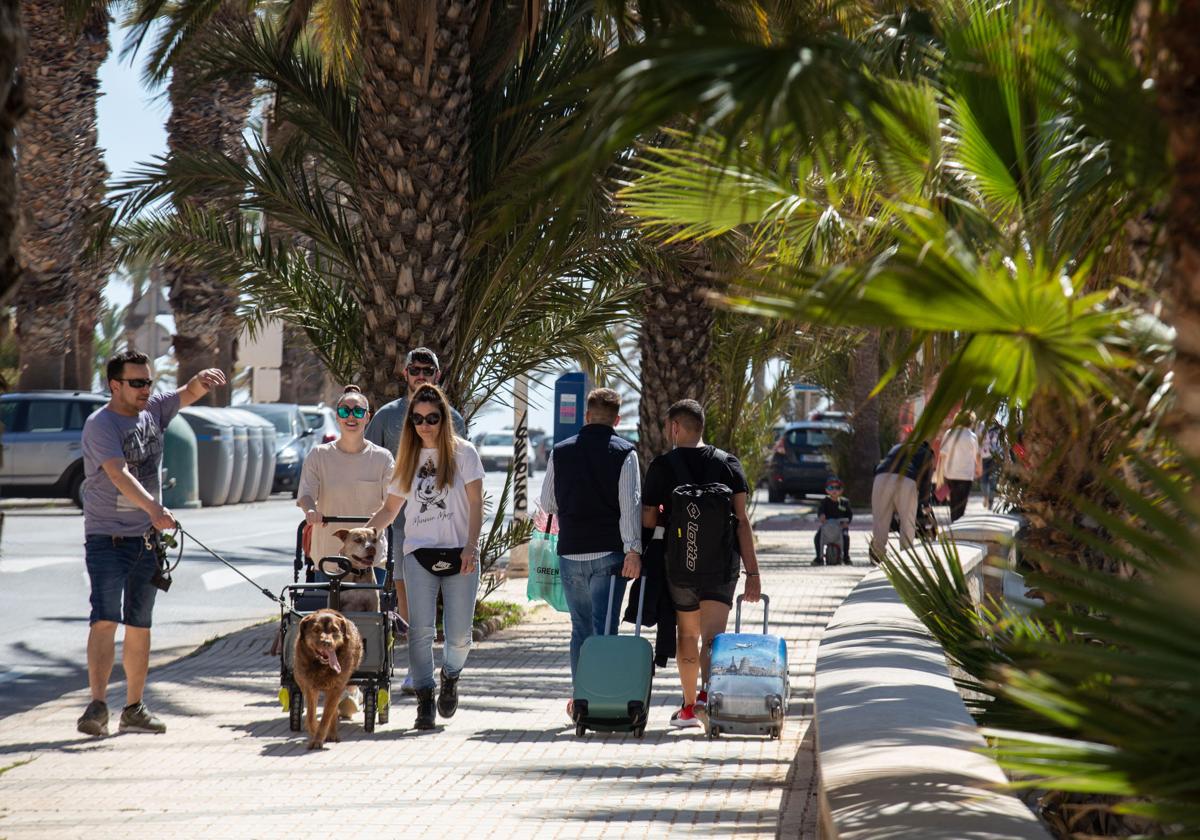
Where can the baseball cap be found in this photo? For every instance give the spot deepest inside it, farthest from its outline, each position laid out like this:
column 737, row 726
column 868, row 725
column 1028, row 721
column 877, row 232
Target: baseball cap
column 834, row 484
column 422, row 354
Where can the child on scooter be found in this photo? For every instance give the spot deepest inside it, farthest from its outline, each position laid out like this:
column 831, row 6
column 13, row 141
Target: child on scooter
column 833, row 508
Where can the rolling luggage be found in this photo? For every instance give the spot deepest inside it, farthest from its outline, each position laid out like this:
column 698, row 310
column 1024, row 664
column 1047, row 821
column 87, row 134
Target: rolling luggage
column 612, row 679
column 748, row 684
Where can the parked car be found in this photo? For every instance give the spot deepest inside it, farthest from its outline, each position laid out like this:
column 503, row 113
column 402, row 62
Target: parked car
column 41, row 433
column 496, row 450
column 800, row 461
column 323, row 422
column 293, row 440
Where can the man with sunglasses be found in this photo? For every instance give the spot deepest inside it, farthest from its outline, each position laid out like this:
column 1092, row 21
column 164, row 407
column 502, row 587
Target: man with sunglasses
column 122, row 513
column 420, row 368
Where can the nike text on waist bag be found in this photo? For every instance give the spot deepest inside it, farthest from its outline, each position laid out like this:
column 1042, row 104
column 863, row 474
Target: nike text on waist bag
column 702, row 526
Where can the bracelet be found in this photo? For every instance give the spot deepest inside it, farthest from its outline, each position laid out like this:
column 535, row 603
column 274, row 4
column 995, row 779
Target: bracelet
column 752, row 574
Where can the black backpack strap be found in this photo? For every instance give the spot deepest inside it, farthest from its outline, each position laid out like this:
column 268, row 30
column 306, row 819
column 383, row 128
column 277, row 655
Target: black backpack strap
column 718, row 461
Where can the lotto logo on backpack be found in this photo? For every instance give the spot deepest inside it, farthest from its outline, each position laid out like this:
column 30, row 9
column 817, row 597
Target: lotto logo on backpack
column 693, row 548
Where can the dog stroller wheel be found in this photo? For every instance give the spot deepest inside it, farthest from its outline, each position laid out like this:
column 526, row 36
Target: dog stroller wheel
column 383, row 702
column 295, row 708
column 369, row 706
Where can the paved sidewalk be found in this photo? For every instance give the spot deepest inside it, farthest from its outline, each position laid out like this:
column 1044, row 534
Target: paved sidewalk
column 507, row 765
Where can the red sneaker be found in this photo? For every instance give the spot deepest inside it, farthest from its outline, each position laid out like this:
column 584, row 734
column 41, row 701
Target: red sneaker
column 685, row 718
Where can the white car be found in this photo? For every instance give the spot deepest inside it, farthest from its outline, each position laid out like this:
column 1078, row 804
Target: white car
column 496, row 450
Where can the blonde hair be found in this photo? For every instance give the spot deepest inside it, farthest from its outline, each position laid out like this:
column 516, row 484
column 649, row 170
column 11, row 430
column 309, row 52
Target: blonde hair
column 409, row 451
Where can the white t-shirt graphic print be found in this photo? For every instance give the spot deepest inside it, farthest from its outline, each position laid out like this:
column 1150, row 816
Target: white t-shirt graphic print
column 437, row 517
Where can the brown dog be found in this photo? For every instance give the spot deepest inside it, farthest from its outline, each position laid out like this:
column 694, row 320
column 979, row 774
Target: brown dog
column 328, row 651
column 358, row 545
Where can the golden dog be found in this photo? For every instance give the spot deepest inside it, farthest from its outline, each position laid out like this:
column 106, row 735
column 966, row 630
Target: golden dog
column 358, row 545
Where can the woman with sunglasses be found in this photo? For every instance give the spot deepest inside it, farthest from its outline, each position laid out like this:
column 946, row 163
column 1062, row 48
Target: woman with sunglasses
column 438, row 482
column 347, row 477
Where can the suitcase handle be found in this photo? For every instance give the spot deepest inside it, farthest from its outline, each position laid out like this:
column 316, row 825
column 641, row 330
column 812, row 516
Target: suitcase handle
column 737, row 623
column 612, row 588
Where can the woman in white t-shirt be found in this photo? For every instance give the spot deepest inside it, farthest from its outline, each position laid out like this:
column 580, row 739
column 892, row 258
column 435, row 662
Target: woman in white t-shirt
column 959, row 462
column 438, row 482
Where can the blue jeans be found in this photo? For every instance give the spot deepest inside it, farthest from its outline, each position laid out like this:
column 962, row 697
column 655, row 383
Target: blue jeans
column 120, row 569
column 585, row 583
column 458, row 619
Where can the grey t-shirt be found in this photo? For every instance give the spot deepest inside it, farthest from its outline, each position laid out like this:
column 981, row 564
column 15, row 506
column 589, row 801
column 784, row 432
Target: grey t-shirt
column 386, row 423
column 139, row 440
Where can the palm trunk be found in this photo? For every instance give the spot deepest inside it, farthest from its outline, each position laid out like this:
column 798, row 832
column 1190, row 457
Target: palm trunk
column 206, row 115
column 675, row 340
column 12, row 107
column 864, row 450
column 413, row 165
column 62, row 178
column 1180, row 104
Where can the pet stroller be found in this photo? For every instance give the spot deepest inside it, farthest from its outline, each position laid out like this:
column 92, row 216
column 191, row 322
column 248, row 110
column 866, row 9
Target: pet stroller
column 374, row 673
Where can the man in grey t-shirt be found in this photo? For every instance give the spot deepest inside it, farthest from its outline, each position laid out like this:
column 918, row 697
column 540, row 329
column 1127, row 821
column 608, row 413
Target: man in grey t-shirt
column 420, row 368
column 122, row 510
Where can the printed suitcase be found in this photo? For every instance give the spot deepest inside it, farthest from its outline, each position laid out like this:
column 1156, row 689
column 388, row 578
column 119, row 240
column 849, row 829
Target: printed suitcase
column 748, row 684
column 612, row 679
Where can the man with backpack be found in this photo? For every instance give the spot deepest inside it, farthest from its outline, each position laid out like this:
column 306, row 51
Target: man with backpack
column 698, row 494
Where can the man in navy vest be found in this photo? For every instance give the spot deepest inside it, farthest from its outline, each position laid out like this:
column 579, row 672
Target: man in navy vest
column 593, row 484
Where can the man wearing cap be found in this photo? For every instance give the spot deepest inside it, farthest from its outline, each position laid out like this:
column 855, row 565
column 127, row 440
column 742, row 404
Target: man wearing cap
column 420, row 368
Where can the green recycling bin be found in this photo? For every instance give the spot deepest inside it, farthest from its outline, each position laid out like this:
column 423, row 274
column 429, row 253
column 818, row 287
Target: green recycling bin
column 214, row 448
column 181, row 488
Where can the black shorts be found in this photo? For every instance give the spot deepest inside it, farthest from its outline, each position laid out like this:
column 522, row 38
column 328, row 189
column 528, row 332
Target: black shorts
column 686, row 595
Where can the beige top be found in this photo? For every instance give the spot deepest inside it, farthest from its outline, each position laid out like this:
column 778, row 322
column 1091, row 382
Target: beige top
column 345, row 484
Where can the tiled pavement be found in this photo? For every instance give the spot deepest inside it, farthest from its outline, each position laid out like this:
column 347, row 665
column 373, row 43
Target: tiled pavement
column 507, row 765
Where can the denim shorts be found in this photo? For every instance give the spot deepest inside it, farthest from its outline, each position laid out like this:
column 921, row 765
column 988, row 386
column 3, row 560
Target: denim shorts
column 120, row 569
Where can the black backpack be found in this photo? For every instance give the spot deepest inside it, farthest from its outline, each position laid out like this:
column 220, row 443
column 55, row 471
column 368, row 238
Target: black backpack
column 702, row 528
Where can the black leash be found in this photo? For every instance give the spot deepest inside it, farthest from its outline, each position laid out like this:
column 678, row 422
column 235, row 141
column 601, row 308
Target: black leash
column 268, row 593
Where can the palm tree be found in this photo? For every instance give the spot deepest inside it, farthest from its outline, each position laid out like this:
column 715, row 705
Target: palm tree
column 674, row 339
column 1179, row 100
column 62, row 177
column 12, row 106
column 533, row 298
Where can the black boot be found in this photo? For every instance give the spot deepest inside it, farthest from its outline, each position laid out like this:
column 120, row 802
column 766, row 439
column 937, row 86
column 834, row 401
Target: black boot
column 447, row 703
column 425, row 719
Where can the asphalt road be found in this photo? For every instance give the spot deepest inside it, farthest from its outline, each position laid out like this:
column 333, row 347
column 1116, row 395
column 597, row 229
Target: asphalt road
column 44, row 589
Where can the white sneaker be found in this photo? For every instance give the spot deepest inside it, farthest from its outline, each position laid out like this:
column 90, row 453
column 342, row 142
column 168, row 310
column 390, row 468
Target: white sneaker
column 350, row 703
column 406, row 687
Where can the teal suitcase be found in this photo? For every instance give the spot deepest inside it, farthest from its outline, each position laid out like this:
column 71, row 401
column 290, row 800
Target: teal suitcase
column 612, row 679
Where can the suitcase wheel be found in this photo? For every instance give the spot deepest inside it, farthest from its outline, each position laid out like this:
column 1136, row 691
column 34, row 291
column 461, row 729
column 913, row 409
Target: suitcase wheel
column 580, row 730
column 640, row 731
column 713, row 732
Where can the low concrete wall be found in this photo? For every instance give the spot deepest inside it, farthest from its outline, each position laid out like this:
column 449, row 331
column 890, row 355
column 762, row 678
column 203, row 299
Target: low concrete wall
column 896, row 747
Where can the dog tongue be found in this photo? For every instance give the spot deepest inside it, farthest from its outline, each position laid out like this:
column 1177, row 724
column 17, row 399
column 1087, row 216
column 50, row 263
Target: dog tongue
column 330, row 657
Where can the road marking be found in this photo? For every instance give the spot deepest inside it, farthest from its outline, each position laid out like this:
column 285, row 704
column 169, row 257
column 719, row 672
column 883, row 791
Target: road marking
column 223, row 578
column 30, row 563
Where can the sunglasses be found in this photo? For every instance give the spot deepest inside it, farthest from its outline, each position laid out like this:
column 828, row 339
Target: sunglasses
column 137, row 383
column 345, row 411
column 422, row 370
column 421, row 419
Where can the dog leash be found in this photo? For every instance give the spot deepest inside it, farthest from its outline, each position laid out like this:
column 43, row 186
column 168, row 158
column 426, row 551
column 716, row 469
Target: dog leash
column 276, row 599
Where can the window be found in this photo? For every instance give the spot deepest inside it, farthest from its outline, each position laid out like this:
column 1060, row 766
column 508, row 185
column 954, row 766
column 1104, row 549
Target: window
column 80, row 411
column 809, row 439
column 498, row 439
column 47, row 415
column 8, row 414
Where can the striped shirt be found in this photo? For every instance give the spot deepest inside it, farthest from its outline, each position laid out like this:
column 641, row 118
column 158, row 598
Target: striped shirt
column 629, row 493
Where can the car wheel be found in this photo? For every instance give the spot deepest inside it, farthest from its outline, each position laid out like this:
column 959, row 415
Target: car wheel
column 75, row 488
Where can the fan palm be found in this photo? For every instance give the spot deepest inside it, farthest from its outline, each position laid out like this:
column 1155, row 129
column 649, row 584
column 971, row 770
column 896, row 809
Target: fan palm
column 62, row 177
column 532, row 298
column 12, row 106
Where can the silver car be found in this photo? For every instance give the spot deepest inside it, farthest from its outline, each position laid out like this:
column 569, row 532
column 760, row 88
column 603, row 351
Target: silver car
column 41, row 436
